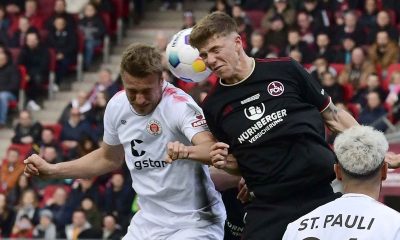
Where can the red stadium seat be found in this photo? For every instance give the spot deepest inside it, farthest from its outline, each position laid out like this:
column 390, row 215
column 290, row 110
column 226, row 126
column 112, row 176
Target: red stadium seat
column 46, row 7
column 338, row 67
column 49, row 191
column 392, row 68
column 255, row 17
column 348, row 92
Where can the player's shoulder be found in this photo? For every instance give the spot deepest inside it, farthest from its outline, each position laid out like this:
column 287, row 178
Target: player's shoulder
column 118, row 100
column 174, row 95
column 279, row 65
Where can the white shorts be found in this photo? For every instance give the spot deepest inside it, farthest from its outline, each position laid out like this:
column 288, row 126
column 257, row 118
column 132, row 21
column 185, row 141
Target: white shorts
column 141, row 229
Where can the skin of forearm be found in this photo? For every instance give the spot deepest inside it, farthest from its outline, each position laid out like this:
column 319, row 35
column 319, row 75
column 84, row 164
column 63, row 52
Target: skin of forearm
column 201, row 153
column 91, row 165
column 340, row 121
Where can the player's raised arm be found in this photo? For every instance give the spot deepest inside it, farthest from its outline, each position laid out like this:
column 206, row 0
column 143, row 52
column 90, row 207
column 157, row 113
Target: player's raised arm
column 337, row 120
column 100, row 161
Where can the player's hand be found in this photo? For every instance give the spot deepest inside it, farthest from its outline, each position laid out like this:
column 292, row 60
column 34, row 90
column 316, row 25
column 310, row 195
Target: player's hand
column 37, row 166
column 244, row 194
column 219, row 155
column 176, row 150
column 393, row 160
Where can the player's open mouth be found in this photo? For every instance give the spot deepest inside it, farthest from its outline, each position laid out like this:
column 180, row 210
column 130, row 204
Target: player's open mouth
column 217, row 68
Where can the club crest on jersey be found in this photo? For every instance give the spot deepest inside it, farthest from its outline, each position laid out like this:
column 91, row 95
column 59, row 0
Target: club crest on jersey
column 255, row 112
column 275, row 88
column 154, row 127
column 199, row 122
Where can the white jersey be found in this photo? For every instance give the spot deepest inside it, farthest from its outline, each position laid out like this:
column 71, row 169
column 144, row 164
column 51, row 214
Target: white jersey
column 175, row 195
column 353, row 216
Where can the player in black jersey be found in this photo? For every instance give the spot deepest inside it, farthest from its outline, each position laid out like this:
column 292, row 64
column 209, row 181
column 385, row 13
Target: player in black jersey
column 269, row 116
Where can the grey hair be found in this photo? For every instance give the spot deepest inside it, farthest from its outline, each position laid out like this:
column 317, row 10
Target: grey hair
column 361, row 150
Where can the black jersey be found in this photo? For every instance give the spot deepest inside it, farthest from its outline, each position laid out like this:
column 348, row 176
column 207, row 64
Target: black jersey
column 272, row 122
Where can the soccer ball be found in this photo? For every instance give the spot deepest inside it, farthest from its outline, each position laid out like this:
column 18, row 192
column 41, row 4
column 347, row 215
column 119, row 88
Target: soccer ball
column 184, row 60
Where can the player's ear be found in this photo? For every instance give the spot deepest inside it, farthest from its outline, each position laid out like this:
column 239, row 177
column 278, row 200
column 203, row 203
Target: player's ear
column 238, row 42
column 384, row 169
column 338, row 171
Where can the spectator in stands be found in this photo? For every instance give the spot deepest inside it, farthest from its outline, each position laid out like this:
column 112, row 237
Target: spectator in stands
column 373, row 114
column 76, row 6
column 357, row 71
column 14, row 7
column 64, row 42
column 221, row 6
column 35, row 57
column 367, row 19
column 11, row 169
column 332, row 87
column 296, row 55
column 4, row 25
column 7, row 216
column 81, row 102
column 17, row 38
column 24, row 183
column 28, row 206
column 343, row 55
column 188, row 19
column 23, row 228
column 244, row 31
column 161, row 42
column 46, row 229
column 47, row 138
column 324, row 48
column 9, row 85
column 351, row 29
column 80, row 228
column 82, row 188
column 305, row 27
column 237, row 11
column 257, row 46
column 319, row 67
column 118, row 198
column 50, row 154
column 383, row 52
column 383, row 23
column 32, row 13
column 72, row 132
column 104, row 83
column 111, row 228
column 277, row 34
column 167, row 4
column 104, row 6
column 93, row 29
column 27, row 130
column 87, row 145
column 373, row 84
column 93, row 215
column 294, row 42
column 281, row 8
column 61, row 211
column 60, row 7
column 96, row 114
column 394, row 88
column 318, row 14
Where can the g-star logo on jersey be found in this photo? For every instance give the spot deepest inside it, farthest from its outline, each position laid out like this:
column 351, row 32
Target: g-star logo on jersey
column 200, row 122
column 275, row 88
column 154, row 127
column 255, row 112
column 135, row 152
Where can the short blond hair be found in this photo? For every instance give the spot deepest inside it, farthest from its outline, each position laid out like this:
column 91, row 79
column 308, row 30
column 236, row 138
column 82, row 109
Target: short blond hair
column 214, row 24
column 140, row 60
column 361, row 150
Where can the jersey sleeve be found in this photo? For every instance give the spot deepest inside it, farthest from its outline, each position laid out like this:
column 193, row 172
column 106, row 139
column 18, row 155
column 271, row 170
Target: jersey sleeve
column 310, row 89
column 110, row 128
column 190, row 119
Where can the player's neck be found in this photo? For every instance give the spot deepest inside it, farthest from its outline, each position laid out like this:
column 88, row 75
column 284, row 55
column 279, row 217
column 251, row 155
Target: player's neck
column 371, row 190
column 244, row 70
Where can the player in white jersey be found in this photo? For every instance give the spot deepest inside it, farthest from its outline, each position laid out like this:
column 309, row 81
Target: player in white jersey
column 357, row 214
column 149, row 122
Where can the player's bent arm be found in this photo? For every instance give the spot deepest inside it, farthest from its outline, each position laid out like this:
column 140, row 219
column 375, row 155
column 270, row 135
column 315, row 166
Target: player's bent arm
column 337, row 120
column 200, row 151
column 105, row 159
